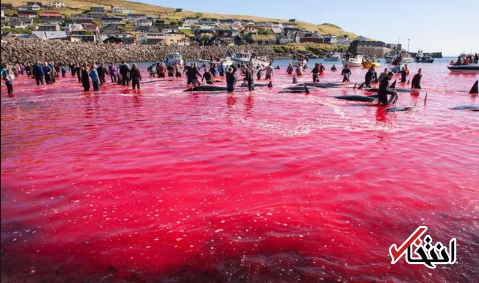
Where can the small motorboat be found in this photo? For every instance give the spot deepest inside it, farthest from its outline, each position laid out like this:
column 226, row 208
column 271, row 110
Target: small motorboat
column 393, row 55
column 369, row 64
column 353, row 61
column 244, row 57
column 471, row 68
column 333, row 56
column 423, row 57
column 296, row 63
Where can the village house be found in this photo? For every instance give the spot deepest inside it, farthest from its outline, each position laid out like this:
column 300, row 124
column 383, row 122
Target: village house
column 144, row 23
column 72, row 27
column 39, row 4
column 20, row 22
column 50, row 14
column 290, row 35
column 372, row 48
column 56, row 4
column 124, row 36
column 331, row 39
column 176, row 38
column 48, row 27
column 50, row 35
column 209, row 21
column 34, row 8
column 111, row 21
column 83, row 36
column 261, row 39
column 7, row 6
column 247, row 23
column 310, row 37
column 146, row 29
column 151, row 38
column 3, row 15
column 188, row 22
column 81, row 19
column 116, row 9
column 27, row 14
column 136, row 17
column 223, row 37
column 54, row 21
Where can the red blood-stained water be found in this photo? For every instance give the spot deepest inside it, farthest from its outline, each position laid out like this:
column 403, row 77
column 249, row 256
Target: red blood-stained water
column 163, row 185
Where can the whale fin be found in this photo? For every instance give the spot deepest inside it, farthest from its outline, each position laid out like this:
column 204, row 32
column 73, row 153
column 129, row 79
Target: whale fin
column 474, row 89
column 354, row 87
column 270, row 84
column 306, row 89
column 393, row 85
column 295, row 80
column 425, row 98
column 408, row 82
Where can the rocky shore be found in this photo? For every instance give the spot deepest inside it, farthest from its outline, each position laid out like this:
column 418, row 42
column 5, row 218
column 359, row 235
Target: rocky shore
column 30, row 50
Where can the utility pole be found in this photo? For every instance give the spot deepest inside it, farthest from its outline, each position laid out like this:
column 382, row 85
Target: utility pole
column 408, row 45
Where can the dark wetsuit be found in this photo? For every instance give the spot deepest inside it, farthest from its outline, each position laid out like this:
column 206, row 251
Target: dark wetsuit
column 416, row 81
column 85, row 79
column 249, row 77
column 125, row 74
column 135, row 76
column 315, row 73
column 101, row 74
column 368, row 78
column 384, row 91
column 193, row 74
column 208, row 77
column 346, row 73
column 403, row 75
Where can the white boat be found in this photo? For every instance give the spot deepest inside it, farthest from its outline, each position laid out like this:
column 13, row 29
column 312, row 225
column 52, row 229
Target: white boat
column 245, row 57
column 333, row 56
column 296, row 63
column 471, row 68
column 423, row 57
column 406, row 59
column 354, row 61
column 174, row 58
column 241, row 57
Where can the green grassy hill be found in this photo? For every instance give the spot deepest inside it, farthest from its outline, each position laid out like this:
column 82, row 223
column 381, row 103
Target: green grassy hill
column 77, row 6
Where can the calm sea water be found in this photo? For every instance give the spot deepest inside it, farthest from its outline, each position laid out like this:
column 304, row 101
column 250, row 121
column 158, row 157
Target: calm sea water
column 162, row 185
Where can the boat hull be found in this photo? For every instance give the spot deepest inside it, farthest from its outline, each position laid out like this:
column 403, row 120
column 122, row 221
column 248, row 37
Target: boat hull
column 332, row 59
column 352, row 63
column 296, row 63
column 464, row 69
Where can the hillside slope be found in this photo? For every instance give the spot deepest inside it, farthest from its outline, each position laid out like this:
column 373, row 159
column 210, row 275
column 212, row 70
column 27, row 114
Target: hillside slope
column 77, row 6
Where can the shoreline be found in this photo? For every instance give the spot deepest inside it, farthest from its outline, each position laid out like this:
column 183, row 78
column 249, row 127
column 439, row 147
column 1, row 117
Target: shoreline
column 17, row 50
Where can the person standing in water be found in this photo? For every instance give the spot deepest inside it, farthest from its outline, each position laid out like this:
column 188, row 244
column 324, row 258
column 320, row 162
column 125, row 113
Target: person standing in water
column 384, row 89
column 38, row 73
column 102, row 72
column 113, row 71
column 9, row 77
column 249, row 78
column 403, row 75
column 315, row 73
column 299, row 70
column 95, row 78
column 290, row 69
column 85, row 77
column 125, row 74
column 383, row 75
column 346, row 73
column 193, row 74
column 135, row 76
column 230, row 78
column 48, row 73
column 269, row 72
column 416, row 80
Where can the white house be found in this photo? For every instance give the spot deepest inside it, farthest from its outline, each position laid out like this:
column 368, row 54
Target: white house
column 188, row 22
column 144, row 23
column 121, row 10
column 72, row 27
column 56, row 4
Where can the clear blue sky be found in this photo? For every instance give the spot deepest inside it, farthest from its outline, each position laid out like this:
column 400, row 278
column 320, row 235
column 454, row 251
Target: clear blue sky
column 432, row 25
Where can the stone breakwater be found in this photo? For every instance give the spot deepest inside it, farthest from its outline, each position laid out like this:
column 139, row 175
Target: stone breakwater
column 31, row 50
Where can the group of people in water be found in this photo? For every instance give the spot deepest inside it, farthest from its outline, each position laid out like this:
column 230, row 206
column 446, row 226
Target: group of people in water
column 95, row 75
